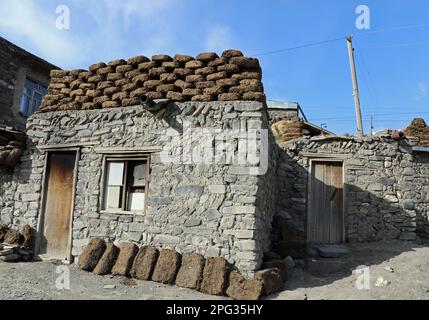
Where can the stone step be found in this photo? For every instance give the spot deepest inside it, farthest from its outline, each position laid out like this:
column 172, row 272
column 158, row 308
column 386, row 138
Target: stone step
column 8, row 258
column 6, row 252
column 332, row 251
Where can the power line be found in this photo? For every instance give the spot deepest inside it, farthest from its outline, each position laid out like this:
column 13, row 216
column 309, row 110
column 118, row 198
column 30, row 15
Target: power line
column 396, row 45
column 391, row 108
column 313, row 44
column 368, row 115
column 413, row 26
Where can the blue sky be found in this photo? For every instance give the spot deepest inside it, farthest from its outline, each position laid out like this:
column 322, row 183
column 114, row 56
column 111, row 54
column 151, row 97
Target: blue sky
column 393, row 66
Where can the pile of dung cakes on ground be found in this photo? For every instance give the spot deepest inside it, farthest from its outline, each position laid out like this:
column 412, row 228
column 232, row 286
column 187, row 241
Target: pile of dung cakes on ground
column 120, row 83
column 11, row 145
column 15, row 246
column 287, row 129
column 418, row 130
column 212, row 276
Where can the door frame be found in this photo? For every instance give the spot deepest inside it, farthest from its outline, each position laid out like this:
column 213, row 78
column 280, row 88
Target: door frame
column 45, row 180
column 326, row 158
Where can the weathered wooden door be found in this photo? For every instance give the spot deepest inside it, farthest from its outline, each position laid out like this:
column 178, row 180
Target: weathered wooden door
column 325, row 214
column 55, row 240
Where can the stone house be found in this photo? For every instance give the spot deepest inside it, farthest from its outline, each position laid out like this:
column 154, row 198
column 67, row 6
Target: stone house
column 24, row 79
column 98, row 163
column 178, row 152
column 344, row 189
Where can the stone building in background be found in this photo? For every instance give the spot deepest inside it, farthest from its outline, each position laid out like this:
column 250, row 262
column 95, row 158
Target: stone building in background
column 24, row 80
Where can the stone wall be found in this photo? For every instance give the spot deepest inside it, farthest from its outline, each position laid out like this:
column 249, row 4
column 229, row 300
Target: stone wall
column 207, row 77
column 386, row 187
column 15, row 65
column 214, row 209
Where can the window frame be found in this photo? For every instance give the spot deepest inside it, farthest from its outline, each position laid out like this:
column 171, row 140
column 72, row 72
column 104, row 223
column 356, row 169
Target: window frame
column 35, row 88
column 104, row 183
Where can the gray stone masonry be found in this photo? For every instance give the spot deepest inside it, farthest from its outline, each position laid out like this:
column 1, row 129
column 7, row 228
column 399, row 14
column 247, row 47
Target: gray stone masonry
column 222, row 209
column 386, row 186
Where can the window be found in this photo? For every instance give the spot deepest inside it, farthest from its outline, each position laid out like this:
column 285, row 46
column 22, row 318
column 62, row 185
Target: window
column 32, row 97
column 126, row 184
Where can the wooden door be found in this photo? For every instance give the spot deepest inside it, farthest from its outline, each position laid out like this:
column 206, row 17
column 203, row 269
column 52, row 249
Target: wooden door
column 325, row 216
column 55, row 240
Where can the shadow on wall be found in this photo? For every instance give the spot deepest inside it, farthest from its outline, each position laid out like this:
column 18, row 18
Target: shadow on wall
column 380, row 213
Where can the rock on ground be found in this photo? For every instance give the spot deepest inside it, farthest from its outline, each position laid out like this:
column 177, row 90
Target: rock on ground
column 167, row 266
column 144, row 263
column 279, row 264
column 241, row 289
column 127, row 253
column 91, row 254
column 107, row 261
column 271, row 280
column 215, row 276
column 191, row 272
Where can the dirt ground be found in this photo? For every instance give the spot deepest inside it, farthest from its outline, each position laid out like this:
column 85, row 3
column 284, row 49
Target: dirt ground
column 409, row 280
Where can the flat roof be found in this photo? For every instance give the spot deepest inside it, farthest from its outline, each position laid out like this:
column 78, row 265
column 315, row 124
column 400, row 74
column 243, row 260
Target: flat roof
column 283, row 105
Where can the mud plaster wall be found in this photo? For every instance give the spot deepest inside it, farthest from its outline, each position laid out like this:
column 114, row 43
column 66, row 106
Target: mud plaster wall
column 216, row 210
column 386, row 187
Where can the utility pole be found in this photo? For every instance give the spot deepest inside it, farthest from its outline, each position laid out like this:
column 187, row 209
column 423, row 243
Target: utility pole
column 355, row 87
column 371, row 124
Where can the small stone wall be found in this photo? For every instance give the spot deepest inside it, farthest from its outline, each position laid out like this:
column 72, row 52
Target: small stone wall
column 213, row 209
column 207, row 77
column 386, row 187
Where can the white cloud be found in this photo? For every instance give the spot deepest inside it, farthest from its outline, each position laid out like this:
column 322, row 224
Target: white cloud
column 115, row 20
column 423, row 90
column 103, row 30
column 23, row 19
column 219, row 38
column 99, row 29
